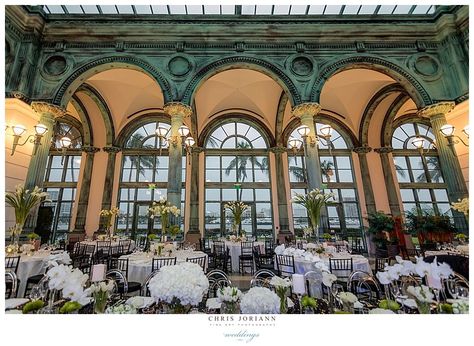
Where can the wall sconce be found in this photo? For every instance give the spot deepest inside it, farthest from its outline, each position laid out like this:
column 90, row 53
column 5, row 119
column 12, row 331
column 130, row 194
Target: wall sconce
column 295, row 144
column 304, row 132
column 326, row 133
column 183, row 133
column 65, row 144
column 189, row 142
column 448, row 132
column 419, row 143
column 19, row 130
column 161, row 133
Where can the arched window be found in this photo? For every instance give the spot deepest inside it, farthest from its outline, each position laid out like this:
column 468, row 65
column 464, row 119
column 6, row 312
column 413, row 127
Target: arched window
column 144, row 178
column 421, row 182
column 62, row 175
column 337, row 173
column 237, row 169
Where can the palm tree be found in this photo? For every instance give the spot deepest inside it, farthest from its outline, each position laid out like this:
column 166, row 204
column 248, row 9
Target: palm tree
column 298, row 173
column 434, row 171
column 327, row 169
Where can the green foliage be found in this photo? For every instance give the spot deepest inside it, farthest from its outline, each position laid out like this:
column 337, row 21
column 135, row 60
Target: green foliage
column 379, row 222
column 389, row 304
column 151, row 236
column 446, row 308
column 426, row 221
column 327, row 236
column 175, row 230
column 309, row 302
column 69, row 307
column 33, row 236
column 33, row 306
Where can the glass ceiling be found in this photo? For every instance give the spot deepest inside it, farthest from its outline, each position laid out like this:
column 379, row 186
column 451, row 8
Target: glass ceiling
column 243, row 9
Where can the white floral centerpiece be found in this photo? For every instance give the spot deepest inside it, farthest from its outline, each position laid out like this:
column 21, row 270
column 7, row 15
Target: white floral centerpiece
column 109, row 215
column 181, row 286
column 101, row 291
column 229, row 298
column 282, row 286
column 423, row 297
column 163, row 209
column 260, row 300
column 329, row 279
column 236, row 239
column 349, row 301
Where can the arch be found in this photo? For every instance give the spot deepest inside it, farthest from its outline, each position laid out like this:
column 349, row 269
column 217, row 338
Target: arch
column 232, row 117
column 372, row 106
column 73, row 123
column 246, row 62
column 86, row 70
column 279, row 118
column 411, row 85
column 337, row 124
column 84, row 124
column 133, row 125
column 104, row 110
column 387, row 125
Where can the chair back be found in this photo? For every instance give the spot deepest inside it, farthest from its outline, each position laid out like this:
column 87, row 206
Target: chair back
column 10, row 276
column 141, row 241
column 269, row 246
column 119, row 278
column 12, row 262
column 341, row 267
column 262, row 278
column 217, row 280
column 218, row 248
column 246, row 248
column 79, row 248
column 116, row 250
column 157, row 263
column 89, row 250
column 201, row 261
column 144, row 291
column 119, row 264
column 314, row 282
column 285, row 265
column 380, row 263
column 125, row 244
column 104, row 246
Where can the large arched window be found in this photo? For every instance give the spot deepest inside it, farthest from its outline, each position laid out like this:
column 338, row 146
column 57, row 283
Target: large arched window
column 144, row 178
column 237, row 169
column 421, row 182
column 337, row 173
column 62, row 175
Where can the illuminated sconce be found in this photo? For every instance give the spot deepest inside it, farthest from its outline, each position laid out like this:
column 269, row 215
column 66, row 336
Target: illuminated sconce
column 295, row 144
column 326, row 133
column 19, row 130
column 419, row 143
column 304, row 132
column 448, row 132
column 188, row 143
column 161, row 133
column 65, row 143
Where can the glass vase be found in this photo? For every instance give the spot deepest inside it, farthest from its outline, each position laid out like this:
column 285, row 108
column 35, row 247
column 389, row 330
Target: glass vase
column 50, row 308
column 230, row 308
column 100, row 302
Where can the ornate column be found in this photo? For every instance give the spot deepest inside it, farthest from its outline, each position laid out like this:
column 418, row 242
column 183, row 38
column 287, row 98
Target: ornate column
column 365, row 173
column 390, row 183
column 306, row 113
column 109, row 179
column 281, row 188
column 448, row 160
column 194, row 191
column 36, row 170
column 177, row 111
column 85, row 189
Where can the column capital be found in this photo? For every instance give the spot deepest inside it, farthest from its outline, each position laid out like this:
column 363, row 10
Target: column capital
column 383, row 150
column 436, row 109
column 362, row 149
column 90, row 149
column 178, row 109
column 197, row 150
column 112, row 149
column 278, row 149
column 305, row 109
column 45, row 107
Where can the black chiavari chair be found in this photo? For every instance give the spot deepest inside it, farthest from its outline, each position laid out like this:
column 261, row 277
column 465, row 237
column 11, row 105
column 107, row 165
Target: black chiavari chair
column 341, row 267
column 121, row 264
column 201, row 261
column 157, row 263
column 246, row 256
column 285, row 265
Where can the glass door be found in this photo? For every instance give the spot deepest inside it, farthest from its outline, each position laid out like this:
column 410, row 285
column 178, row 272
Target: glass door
column 142, row 223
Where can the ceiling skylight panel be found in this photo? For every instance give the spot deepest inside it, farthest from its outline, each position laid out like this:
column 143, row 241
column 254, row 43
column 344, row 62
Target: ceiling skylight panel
column 108, row 9
column 316, row 9
column 402, row 9
column 143, row 9
column 228, row 9
column 386, row 9
column 160, row 9
column 90, row 9
column 333, row 9
column 212, row 9
column 194, row 9
column 177, row 9
column 55, row 9
column 125, row 9
column 351, row 9
column 281, row 9
column 248, row 9
column 421, row 9
column 367, row 9
column 298, row 9
column 74, row 9
column 264, row 9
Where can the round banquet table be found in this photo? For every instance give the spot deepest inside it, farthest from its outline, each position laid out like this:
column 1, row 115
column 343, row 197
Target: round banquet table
column 359, row 262
column 113, row 243
column 235, row 250
column 140, row 263
column 29, row 266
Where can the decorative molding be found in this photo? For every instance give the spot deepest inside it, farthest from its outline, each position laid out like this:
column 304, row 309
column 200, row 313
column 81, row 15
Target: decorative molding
column 178, row 109
column 383, row 150
column 44, row 107
column 278, row 149
column 238, row 60
column 345, row 62
column 436, row 109
column 162, row 81
column 312, row 108
column 362, row 149
column 112, row 150
column 462, row 98
column 197, row 150
column 90, row 149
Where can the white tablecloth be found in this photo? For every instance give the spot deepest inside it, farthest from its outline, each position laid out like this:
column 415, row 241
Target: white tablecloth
column 140, row 263
column 359, row 262
column 114, row 243
column 235, row 250
column 29, row 266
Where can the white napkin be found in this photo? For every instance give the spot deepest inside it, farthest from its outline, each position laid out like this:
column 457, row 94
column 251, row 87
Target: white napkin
column 299, row 252
column 213, row 303
column 279, row 249
column 308, row 257
column 14, row 302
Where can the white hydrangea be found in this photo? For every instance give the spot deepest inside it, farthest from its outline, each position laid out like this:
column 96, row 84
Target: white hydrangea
column 277, row 281
column 185, row 281
column 260, row 300
column 229, row 294
column 460, row 306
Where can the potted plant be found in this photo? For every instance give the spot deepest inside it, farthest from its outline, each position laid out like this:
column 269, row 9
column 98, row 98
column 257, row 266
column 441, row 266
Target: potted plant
column 381, row 229
column 429, row 227
column 34, row 240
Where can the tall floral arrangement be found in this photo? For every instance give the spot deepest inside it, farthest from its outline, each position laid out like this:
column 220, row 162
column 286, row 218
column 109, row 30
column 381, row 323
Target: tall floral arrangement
column 313, row 202
column 162, row 209
column 462, row 206
column 23, row 201
column 109, row 215
column 282, row 286
column 237, row 209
